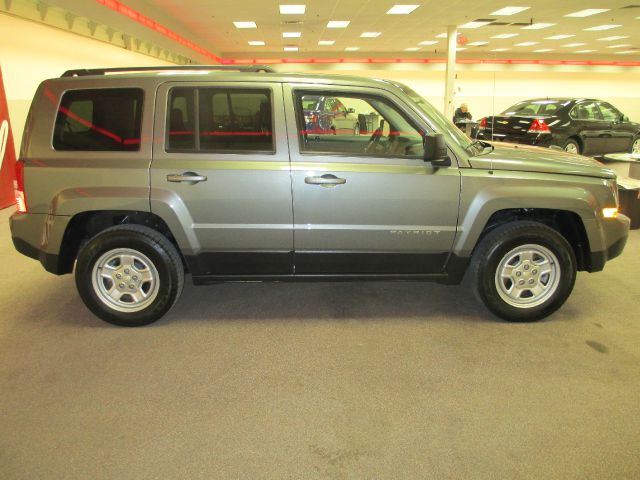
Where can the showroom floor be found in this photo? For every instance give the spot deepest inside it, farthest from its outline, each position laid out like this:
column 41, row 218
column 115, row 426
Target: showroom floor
column 305, row 381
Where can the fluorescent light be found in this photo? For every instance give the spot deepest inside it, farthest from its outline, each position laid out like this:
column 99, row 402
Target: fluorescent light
column 600, row 27
column 622, row 45
column 587, row 12
column 429, row 42
column 611, row 39
column 412, row 49
column 558, row 37
column 245, row 24
column 291, row 34
column 474, row 24
column 292, row 9
column 326, row 42
column 625, row 52
column 509, row 11
column 506, row 35
column 256, row 43
column 290, row 49
column 338, row 24
column 525, row 44
column 441, row 35
column 538, row 26
column 459, row 49
column 584, row 51
column 500, row 50
column 571, row 45
column 352, row 49
column 401, row 9
column 370, row 34
column 476, row 44
column 542, row 50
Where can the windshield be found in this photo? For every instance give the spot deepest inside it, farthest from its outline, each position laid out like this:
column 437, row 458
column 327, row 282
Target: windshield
column 536, row 108
column 439, row 122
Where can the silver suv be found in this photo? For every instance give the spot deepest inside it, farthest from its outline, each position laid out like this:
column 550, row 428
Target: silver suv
column 136, row 176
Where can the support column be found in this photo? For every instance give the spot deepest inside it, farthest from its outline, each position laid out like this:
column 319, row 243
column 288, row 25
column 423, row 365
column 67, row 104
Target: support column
column 452, row 34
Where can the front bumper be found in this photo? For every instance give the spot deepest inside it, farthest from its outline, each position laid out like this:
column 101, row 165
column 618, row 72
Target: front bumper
column 617, row 233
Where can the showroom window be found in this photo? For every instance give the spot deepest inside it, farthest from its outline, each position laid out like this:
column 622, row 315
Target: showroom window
column 219, row 120
column 99, row 120
column 336, row 123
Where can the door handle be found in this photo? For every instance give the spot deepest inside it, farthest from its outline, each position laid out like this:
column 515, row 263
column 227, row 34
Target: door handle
column 186, row 177
column 326, row 180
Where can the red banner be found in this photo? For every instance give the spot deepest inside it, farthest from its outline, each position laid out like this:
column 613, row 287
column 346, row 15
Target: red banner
column 7, row 152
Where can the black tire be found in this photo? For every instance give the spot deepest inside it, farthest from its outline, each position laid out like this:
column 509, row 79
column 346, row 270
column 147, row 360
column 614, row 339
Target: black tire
column 155, row 275
column 536, row 242
column 635, row 145
column 571, row 144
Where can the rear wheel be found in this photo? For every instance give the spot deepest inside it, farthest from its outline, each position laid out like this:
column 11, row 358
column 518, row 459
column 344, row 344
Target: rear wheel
column 635, row 146
column 523, row 271
column 571, row 146
column 129, row 275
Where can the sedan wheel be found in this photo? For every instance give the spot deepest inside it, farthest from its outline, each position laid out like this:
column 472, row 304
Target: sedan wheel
column 635, row 148
column 572, row 147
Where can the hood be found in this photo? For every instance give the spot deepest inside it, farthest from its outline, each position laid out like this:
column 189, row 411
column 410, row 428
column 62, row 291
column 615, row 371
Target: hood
column 524, row 158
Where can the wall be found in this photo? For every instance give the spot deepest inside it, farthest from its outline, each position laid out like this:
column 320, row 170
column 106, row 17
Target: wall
column 36, row 52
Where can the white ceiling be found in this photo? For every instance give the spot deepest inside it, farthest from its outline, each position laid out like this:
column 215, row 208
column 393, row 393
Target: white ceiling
column 212, row 21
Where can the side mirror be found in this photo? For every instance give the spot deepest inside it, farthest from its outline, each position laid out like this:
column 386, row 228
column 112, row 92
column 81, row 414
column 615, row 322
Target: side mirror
column 435, row 150
column 624, row 118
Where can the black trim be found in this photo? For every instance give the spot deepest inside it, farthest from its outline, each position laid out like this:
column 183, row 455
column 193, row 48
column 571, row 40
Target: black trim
column 598, row 259
column 328, row 263
column 209, row 279
column 240, row 263
column 49, row 261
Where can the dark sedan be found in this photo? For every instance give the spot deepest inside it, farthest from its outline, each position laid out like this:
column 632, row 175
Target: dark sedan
column 584, row 126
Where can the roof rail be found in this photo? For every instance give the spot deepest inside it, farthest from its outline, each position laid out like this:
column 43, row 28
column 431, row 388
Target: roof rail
column 83, row 72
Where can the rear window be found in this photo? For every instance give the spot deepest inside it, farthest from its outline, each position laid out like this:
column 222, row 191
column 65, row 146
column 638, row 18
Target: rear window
column 219, row 120
column 535, row 108
column 99, row 120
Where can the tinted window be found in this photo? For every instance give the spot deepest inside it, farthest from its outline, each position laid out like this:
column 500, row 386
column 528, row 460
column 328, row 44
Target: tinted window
column 228, row 120
column 586, row 111
column 609, row 113
column 357, row 125
column 96, row 120
column 535, row 108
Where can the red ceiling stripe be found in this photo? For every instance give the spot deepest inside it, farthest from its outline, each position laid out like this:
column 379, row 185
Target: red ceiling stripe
column 149, row 23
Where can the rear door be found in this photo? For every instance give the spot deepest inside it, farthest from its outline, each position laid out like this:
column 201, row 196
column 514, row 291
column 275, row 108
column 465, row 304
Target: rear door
column 621, row 131
column 592, row 129
column 368, row 204
column 221, row 167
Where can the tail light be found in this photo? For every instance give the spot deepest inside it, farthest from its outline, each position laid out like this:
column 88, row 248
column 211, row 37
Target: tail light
column 18, row 187
column 539, row 126
column 483, row 124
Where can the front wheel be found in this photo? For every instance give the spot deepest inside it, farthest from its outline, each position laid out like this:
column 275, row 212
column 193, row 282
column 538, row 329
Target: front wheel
column 129, row 275
column 523, row 271
column 571, row 146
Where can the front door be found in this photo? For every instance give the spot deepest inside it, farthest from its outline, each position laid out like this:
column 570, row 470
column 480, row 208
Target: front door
column 368, row 204
column 622, row 131
column 594, row 132
column 221, row 164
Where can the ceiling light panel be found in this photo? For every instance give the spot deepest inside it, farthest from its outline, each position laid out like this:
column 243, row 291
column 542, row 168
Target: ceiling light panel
column 370, row 34
column 601, row 27
column 613, row 38
column 525, row 44
column 326, row 42
column 441, row 35
column 429, row 42
column 476, row 44
column 459, row 49
column 352, row 49
column 538, row 26
column 500, row 50
column 291, row 34
column 558, row 37
column 292, row 9
column 256, row 43
column 245, row 24
column 543, row 50
column 584, row 51
column 626, row 52
column 622, row 45
column 338, row 24
column 588, row 12
column 401, row 9
column 290, row 49
column 475, row 24
column 506, row 35
column 509, row 11
column 411, row 49
column 571, row 45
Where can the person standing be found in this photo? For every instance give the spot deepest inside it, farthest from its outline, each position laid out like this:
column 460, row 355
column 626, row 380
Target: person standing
column 462, row 113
